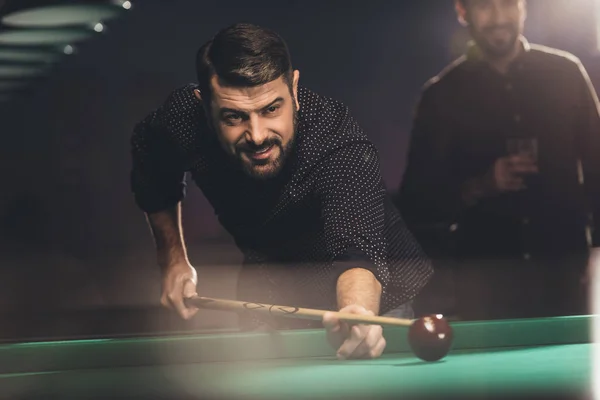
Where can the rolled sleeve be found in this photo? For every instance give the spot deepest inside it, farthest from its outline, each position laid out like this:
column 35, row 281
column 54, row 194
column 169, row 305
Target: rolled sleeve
column 157, row 172
column 351, row 193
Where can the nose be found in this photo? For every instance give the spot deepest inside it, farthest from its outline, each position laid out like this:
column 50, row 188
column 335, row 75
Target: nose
column 256, row 131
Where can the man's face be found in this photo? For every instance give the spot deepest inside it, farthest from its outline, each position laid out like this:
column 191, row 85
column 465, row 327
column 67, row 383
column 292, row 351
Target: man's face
column 256, row 126
column 495, row 24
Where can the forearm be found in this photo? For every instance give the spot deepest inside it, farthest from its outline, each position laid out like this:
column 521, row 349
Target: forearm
column 168, row 236
column 358, row 286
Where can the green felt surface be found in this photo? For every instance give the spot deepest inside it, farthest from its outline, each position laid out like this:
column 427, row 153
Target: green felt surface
column 509, row 371
column 541, row 356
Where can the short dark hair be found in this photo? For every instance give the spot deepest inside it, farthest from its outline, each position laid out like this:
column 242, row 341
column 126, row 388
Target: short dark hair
column 243, row 55
column 465, row 3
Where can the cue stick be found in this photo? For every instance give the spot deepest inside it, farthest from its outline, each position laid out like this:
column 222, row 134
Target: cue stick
column 291, row 312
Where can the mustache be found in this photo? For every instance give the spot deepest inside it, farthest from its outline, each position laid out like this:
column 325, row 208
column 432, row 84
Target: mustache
column 252, row 147
column 506, row 27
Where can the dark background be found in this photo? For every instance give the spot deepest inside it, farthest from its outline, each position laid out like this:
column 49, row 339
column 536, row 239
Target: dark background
column 74, row 245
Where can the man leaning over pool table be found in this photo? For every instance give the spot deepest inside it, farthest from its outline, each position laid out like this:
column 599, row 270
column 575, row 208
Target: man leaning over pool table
column 292, row 177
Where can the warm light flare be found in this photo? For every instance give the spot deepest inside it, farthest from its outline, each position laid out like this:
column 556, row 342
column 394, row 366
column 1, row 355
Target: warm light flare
column 597, row 9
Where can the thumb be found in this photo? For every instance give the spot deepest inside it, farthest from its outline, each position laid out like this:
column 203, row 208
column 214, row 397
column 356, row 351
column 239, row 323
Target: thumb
column 331, row 322
column 189, row 289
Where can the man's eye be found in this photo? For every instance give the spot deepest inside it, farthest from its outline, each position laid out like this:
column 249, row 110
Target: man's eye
column 272, row 109
column 232, row 117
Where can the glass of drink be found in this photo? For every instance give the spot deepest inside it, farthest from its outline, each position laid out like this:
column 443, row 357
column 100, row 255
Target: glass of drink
column 523, row 146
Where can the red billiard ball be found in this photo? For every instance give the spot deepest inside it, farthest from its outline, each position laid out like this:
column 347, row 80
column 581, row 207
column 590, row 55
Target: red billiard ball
column 430, row 337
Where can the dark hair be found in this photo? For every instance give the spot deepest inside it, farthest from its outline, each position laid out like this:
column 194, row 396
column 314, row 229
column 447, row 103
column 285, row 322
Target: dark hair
column 243, row 55
column 466, row 3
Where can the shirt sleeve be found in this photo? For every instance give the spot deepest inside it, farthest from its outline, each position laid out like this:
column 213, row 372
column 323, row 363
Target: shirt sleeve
column 157, row 173
column 588, row 134
column 351, row 194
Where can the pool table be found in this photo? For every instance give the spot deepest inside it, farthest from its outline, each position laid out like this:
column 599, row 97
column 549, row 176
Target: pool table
column 547, row 358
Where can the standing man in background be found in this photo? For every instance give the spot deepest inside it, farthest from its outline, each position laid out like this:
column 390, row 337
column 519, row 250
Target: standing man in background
column 505, row 156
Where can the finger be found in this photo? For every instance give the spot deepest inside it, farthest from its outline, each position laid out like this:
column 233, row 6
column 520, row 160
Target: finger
column 358, row 333
column 330, row 320
column 511, row 161
column 378, row 349
column 364, row 349
column 352, row 309
column 189, row 291
column 164, row 301
column 524, row 169
column 520, row 159
column 176, row 300
column 188, row 313
column 340, row 332
column 528, row 158
column 332, row 324
column 333, row 330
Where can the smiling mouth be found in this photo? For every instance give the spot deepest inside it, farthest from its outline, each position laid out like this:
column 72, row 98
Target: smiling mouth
column 260, row 154
column 503, row 30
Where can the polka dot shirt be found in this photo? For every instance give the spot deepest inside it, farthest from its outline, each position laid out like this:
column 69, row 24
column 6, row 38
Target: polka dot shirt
column 326, row 212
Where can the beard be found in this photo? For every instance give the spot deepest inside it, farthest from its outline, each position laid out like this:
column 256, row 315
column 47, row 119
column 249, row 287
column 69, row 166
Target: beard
column 497, row 46
column 268, row 168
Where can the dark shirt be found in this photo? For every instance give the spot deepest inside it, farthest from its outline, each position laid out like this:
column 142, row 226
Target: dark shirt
column 326, row 212
column 463, row 121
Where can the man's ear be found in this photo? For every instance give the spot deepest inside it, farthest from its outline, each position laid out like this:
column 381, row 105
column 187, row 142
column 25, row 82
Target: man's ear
column 204, row 106
column 295, row 80
column 461, row 12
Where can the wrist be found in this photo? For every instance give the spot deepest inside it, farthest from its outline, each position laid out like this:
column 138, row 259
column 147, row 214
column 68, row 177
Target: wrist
column 168, row 263
column 358, row 287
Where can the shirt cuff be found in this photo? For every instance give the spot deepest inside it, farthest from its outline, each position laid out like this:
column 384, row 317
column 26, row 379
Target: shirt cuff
column 354, row 258
column 159, row 200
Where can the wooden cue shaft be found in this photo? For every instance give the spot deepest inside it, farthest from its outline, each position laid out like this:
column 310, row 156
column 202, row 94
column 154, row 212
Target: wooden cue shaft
column 290, row 312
